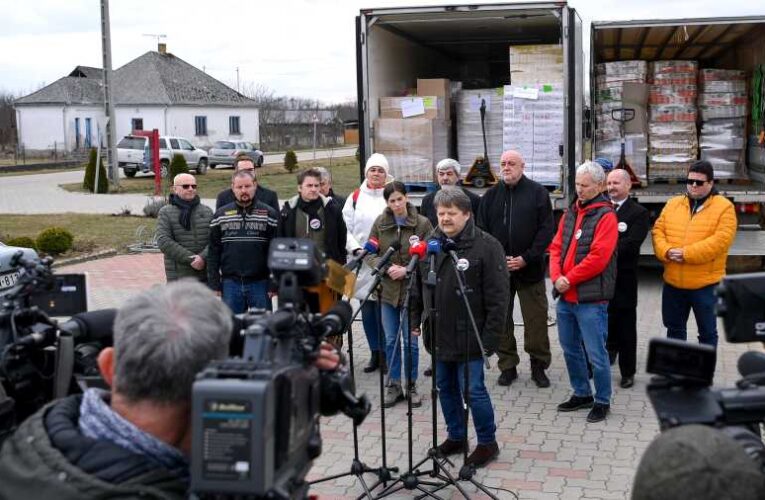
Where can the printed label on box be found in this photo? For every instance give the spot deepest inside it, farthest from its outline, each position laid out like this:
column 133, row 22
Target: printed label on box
column 526, row 93
column 412, row 107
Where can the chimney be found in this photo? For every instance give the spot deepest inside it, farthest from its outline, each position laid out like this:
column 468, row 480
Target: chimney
column 162, row 48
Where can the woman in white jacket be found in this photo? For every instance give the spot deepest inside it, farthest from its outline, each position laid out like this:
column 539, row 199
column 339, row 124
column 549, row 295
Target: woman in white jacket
column 361, row 210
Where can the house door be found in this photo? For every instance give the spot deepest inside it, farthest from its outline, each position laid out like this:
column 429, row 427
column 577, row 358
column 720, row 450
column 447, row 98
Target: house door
column 76, row 133
column 87, row 132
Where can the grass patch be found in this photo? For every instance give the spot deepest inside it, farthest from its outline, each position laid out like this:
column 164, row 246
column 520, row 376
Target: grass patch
column 345, row 176
column 92, row 233
column 8, row 172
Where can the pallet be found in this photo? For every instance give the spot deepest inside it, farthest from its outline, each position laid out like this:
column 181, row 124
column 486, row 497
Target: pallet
column 666, row 180
column 423, row 187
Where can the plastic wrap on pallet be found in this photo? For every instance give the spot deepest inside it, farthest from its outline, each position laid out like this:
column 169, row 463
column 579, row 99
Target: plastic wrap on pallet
column 612, row 80
column 723, row 99
column 469, row 137
column 635, row 152
column 756, row 153
column 631, row 67
column 533, row 64
column 662, row 169
column 667, row 113
column 412, row 146
column 722, row 142
column 672, row 94
column 710, row 74
column 713, row 112
column 672, row 66
column 723, row 86
column 533, row 125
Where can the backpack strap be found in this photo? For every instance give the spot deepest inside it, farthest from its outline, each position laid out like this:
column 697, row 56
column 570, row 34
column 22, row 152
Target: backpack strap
column 355, row 196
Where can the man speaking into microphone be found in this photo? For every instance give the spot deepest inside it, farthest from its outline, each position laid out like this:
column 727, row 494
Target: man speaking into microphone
column 456, row 347
column 398, row 226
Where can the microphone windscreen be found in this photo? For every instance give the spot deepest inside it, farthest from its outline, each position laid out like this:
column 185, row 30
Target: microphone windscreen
column 751, row 362
column 434, row 246
column 344, row 313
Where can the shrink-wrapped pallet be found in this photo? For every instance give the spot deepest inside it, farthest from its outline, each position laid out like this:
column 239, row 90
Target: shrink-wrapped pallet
column 468, row 123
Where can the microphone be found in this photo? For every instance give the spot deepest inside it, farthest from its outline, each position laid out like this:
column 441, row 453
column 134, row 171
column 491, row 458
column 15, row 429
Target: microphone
column 450, row 246
column 336, row 320
column 434, row 248
column 417, row 252
column 394, row 247
column 372, row 246
column 751, row 362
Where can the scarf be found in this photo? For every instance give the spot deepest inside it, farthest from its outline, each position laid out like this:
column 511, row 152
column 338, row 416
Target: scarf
column 312, row 209
column 99, row 421
column 185, row 207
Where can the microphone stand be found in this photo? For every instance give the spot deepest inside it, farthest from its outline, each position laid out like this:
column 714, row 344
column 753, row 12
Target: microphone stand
column 467, row 472
column 410, row 480
column 358, row 468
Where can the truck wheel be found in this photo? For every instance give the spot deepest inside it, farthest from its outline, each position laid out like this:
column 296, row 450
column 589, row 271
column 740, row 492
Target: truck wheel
column 129, row 173
column 164, row 169
column 213, row 165
column 479, row 182
column 202, row 166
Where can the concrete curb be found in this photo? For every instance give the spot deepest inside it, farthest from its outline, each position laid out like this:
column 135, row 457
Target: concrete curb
column 109, row 252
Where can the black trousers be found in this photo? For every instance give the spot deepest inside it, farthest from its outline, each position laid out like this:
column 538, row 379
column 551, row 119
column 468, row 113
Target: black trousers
column 622, row 337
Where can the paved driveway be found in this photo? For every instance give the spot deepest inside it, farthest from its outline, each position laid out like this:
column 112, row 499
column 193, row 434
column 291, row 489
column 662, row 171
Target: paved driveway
column 544, row 454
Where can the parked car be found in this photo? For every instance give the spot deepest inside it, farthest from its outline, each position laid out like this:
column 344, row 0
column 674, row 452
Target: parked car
column 225, row 152
column 8, row 275
column 133, row 155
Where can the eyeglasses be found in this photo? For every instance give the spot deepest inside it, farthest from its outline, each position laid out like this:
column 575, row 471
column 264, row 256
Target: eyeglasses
column 186, row 186
column 695, row 182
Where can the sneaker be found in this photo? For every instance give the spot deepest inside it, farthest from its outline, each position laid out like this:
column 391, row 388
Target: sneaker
column 627, row 382
column 416, row 398
column 538, row 375
column 428, row 372
column 450, row 447
column 393, row 395
column 483, row 454
column 598, row 413
column 507, row 377
column 576, row 403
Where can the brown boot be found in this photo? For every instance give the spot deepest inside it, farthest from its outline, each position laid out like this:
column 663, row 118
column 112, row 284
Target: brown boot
column 483, row 454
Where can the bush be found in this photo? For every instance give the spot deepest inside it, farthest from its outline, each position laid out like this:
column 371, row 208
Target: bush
column 177, row 166
column 358, row 155
column 290, row 161
column 153, row 204
column 21, row 241
column 54, row 240
column 90, row 175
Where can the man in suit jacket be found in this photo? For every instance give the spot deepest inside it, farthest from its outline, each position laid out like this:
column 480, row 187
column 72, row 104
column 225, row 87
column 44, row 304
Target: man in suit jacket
column 633, row 227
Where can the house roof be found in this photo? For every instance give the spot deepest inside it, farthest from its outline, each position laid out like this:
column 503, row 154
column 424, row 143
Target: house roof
column 151, row 79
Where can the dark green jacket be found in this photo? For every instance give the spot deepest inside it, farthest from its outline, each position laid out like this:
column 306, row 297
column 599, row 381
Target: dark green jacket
column 387, row 231
column 179, row 245
column 48, row 458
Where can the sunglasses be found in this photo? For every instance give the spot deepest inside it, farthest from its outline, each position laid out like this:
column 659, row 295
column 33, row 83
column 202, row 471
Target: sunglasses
column 695, row 182
column 186, row 186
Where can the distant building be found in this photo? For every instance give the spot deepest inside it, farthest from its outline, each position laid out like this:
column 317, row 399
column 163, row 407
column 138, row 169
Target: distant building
column 156, row 90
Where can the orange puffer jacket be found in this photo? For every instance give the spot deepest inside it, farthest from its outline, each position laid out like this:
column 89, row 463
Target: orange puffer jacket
column 705, row 238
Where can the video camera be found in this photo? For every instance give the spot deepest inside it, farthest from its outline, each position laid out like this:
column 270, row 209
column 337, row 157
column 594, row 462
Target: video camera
column 682, row 394
column 40, row 358
column 255, row 418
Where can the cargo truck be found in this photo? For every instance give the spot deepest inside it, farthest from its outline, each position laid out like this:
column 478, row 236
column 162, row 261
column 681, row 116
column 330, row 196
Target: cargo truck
column 469, row 44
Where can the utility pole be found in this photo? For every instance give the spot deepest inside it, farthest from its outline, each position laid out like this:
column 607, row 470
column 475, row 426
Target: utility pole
column 315, row 123
column 237, row 78
column 111, row 122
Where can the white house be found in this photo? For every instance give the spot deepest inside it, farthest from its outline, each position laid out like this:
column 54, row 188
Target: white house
column 156, row 90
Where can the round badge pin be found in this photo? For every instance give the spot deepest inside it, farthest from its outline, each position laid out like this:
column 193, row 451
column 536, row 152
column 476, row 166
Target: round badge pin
column 578, row 234
column 622, row 226
column 315, row 224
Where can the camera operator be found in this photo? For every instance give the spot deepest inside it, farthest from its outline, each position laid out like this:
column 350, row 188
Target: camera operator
column 132, row 441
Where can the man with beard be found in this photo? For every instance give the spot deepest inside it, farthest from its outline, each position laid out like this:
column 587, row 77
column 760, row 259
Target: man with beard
column 183, row 229
column 447, row 174
column 267, row 196
column 240, row 234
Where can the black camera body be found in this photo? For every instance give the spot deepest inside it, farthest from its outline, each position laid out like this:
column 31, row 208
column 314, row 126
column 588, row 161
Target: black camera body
column 682, row 394
column 255, row 418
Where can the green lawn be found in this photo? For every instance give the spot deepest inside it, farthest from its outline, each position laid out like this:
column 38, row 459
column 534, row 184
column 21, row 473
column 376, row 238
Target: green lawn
column 92, row 233
column 345, row 175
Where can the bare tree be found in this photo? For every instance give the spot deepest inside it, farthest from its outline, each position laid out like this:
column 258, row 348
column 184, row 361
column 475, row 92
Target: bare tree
column 7, row 120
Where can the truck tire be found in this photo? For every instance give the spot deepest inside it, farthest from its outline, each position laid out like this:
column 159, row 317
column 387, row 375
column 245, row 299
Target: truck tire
column 260, row 162
column 164, row 169
column 202, row 166
column 129, row 173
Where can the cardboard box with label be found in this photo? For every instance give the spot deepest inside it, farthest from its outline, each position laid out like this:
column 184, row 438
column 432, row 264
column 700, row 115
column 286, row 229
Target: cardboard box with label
column 432, row 107
column 439, row 87
column 412, row 146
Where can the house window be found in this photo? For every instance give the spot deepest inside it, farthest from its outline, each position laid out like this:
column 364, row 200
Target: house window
column 137, row 123
column 200, row 125
column 233, row 125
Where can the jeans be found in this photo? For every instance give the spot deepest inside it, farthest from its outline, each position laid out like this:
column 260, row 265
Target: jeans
column 372, row 324
column 240, row 296
column 585, row 324
column 676, row 305
column 395, row 344
column 450, row 381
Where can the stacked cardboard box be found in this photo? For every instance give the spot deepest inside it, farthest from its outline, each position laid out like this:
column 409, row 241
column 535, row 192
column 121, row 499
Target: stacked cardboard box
column 609, row 95
column 469, row 136
column 723, row 109
column 533, row 126
column 413, row 132
column 672, row 113
column 533, row 64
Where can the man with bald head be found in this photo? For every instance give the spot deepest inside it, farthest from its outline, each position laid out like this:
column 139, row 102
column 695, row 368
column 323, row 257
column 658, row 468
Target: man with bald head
column 517, row 212
column 183, row 229
column 633, row 227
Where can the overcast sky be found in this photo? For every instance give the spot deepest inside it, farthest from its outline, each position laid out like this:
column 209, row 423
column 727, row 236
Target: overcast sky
column 300, row 48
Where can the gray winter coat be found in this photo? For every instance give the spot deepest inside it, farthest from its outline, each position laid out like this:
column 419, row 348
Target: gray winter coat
column 179, row 245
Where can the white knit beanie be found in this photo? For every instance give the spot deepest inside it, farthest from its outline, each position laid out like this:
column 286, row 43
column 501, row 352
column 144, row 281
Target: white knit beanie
column 377, row 160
